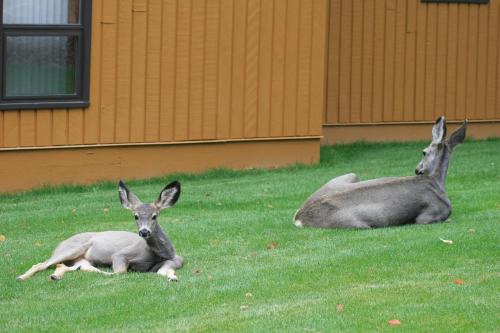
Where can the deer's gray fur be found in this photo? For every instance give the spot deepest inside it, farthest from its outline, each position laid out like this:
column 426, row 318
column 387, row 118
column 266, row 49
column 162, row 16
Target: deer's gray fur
column 148, row 251
column 346, row 202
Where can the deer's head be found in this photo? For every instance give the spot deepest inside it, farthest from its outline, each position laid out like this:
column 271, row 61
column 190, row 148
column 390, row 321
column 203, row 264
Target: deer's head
column 146, row 214
column 440, row 146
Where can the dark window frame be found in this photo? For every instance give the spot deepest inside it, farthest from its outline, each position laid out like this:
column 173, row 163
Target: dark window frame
column 82, row 61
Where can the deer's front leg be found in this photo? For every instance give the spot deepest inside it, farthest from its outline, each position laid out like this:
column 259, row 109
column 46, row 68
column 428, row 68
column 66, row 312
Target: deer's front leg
column 120, row 263
column 168, row 268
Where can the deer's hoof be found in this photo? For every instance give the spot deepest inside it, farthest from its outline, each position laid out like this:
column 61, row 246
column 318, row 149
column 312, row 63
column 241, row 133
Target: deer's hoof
column 54, row 277
column 173, row 278
column 19, row 278
column 298, row 223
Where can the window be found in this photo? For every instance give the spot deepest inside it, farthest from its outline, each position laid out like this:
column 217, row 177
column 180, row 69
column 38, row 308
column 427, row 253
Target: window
column 44, row 52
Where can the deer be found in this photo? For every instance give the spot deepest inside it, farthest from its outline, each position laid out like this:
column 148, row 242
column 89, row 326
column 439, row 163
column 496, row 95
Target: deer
column 149, row 250
column 347, row 202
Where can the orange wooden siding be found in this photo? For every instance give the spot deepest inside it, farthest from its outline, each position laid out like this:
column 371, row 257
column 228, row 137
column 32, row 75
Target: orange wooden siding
column 177, row 70
column 406, row 61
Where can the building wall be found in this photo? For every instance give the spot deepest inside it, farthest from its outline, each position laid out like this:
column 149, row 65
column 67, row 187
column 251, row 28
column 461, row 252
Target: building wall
column 189, row 72
column 177, row 70
column 400, row 62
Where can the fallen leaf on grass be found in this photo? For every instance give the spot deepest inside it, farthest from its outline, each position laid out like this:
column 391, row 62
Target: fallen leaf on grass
column 105, row 210
column 394, row 322
column 210, row 277
column 340, row 308
column 248, row 295
column 472, row 231
column 446, row 241
column 2, row 238
column 73, row 210
column 272, row 246
column 197, row 271
column 243, row 307
column 458, row 281
column 269, row 206
column 38, row 244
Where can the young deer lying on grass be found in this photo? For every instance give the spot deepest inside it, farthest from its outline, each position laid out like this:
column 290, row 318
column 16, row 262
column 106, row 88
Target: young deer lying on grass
column 149, row 251
column 345, row 202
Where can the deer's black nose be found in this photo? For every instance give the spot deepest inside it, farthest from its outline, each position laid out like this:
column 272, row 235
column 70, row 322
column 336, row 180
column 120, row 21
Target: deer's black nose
column 144, row 233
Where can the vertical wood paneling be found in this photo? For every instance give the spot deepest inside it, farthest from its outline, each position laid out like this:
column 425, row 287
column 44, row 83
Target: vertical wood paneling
column 378, row 62
column 390, row 34
column 345, row 61
column 318, row 66
column 108, row 72
column 335, row 31
column 482, row 62
column 291, row 69
column 2, row 129
column 399, row 61
column 251, row 68
column 278, row 67
column 91, row 115
column 418, row 61
column 138, row 85
column 196, row 70
column 367, row 71
column 497, row 106
column 11, row 128
column 451, row 61
column 266, row 44
column 153, row 70
column 75, row 126
column 59, row 127
column 210, row 67
column 430, row 62
column 304, row 65
column 123, row 71
column 238, row 69
column 181, row 111
column 28, row 126
column 357, row 53
column 176, row 70
column 493, row 77
column 410, row 60
column 225, row 65
column 472, row 57
column 421, row 51
column 43, row 127
column 168, row 70
column 462, row 50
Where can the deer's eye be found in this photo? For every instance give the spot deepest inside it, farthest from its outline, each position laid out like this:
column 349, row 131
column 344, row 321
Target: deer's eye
column 424, row 153
column 136, row 217
column 154, row 216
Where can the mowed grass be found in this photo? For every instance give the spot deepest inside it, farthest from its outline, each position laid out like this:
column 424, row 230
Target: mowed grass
column 248, row 269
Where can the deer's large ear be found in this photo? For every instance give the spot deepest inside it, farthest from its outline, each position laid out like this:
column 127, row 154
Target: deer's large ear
column 128, row 199
column 458, row 136
column 439, row 130
column 169, row 195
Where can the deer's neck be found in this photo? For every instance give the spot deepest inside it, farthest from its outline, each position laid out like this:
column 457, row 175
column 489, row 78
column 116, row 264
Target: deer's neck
column 441, row 169
column 160, row 244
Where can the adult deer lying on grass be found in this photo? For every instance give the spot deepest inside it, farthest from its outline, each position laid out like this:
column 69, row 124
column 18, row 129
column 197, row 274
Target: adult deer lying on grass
column 346, row 202
column 149, row 251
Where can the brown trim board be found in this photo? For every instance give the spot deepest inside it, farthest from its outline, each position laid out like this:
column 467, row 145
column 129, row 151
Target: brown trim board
column 26, row 169
column 333, row 133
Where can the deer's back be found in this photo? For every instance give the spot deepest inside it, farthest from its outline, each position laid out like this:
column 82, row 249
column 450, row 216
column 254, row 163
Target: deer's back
column 374, row 203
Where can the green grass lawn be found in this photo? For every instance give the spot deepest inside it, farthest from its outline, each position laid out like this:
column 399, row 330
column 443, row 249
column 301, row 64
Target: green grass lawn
column 247, row 268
